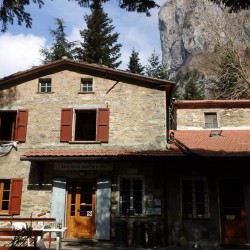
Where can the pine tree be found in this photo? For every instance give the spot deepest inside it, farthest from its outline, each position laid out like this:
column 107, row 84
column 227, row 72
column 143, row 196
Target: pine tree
column 155, row 68
column 189, row 85
column 193, row 91
column 134, row 65
column 61, row 47
column 99, row 45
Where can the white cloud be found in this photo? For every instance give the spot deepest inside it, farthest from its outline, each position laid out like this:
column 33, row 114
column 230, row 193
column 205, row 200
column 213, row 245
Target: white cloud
column 19, row 52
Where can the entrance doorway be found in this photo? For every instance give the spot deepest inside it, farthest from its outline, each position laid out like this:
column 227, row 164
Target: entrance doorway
column 233, row 213
column 81, row 209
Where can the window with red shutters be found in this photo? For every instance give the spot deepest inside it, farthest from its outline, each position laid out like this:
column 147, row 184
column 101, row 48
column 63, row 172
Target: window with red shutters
column 85, row 125
column 10, row 195
column 13, row 125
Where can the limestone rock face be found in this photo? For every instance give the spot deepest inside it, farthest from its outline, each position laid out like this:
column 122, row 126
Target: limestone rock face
column 190, row 30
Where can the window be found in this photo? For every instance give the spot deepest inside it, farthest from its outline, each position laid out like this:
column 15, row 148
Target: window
column 85, row 125
column 10, row 196
column 13, row 125
column 195, row 202
column 45, row 85
column 131, row 195
column 86, row 85
column 211, row 120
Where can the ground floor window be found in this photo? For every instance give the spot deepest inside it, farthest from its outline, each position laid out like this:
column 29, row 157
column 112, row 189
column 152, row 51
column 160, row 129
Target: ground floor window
column 10, row 196
column 195, row 201
column 131, row 195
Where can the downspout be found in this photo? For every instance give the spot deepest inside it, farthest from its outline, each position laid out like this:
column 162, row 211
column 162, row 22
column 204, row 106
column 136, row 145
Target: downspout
column 168, row 114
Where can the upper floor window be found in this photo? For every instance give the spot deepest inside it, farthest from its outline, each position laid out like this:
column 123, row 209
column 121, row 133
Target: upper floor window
column 45, row 85
column 86, row 85
column 85, row 125
column 131, row 195
column 13, row 125
column 211, row 120
column 10, row 196
column 195, row 201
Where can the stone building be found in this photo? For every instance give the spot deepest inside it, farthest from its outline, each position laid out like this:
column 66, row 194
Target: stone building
column 93, row 148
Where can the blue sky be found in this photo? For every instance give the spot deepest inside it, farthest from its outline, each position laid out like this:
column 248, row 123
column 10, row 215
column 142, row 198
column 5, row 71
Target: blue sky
column 19, row 46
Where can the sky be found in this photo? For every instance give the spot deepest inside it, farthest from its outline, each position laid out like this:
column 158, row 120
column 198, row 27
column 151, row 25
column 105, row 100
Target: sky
column 20, row 46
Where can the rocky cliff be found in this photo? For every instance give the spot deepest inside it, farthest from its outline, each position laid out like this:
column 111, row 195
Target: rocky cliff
column 191, row 29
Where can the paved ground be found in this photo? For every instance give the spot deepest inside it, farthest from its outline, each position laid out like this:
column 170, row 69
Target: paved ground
column 72, row 245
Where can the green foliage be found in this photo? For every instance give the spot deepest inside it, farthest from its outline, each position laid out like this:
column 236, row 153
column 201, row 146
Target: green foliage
column 155, row 68
column 134, row 65
column 61, row 47
column 99, row 45
column 189, row 85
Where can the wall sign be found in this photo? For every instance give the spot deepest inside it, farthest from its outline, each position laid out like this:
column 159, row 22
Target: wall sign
column 83, row 166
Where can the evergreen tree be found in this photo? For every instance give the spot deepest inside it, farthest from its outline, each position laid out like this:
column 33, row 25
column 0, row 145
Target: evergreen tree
column 155, row 68
column 61, row 47
column 99, row 45
column 189, row 85
column 134, row 65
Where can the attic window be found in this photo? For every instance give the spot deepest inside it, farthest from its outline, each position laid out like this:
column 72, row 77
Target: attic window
column 86, row 85
column 44, row 85
column 211, row 120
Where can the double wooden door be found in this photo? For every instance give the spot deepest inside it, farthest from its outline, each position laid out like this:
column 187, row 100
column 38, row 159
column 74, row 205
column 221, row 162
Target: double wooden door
column 81, row 209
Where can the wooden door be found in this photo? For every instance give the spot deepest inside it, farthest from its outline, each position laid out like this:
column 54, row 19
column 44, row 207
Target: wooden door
column 233, row 213
column 81, row 209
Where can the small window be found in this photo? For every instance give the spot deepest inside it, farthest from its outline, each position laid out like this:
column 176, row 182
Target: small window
column 86, row 85
column 211, row 120
column 45, row 85
column 10, row 196
column 131, row 195
column 13, row 125
column 195, row 203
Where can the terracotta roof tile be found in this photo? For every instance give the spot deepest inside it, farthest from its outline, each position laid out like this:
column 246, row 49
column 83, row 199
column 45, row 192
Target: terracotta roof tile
column 186, row 142
column 229, row 142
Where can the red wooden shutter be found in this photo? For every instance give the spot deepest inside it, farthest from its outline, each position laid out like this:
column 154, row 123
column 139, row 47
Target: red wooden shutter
column 21, row 126
column 103, row 125
column 15, row 196
column 66, row 125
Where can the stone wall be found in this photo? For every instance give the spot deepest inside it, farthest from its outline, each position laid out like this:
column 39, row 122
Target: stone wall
column 235, row 118
column 137, row 121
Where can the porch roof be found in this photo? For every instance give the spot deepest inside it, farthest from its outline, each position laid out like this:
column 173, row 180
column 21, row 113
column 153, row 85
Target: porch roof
column 183, row 143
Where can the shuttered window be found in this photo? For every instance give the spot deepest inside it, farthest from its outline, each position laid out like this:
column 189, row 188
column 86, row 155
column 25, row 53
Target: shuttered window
column 10, row 196
column 13, row 125
column 84, row 125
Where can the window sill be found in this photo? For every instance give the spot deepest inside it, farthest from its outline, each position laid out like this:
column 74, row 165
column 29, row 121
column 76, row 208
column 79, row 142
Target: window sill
column 85, row 142
column 45, row 93
column 86, row 92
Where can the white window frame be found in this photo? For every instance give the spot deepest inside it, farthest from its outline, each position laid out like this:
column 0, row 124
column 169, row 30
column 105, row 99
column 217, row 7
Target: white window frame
column 86, row 85
column 47, row 85
column 131, row 177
